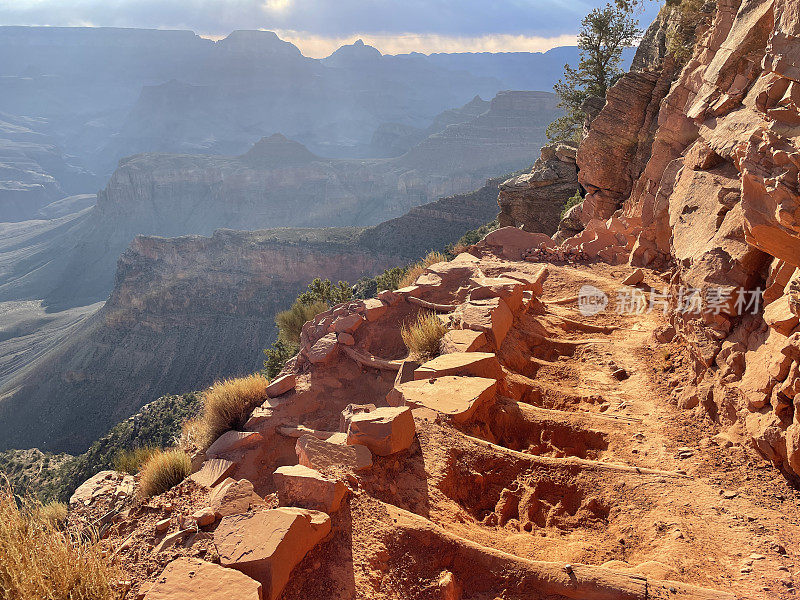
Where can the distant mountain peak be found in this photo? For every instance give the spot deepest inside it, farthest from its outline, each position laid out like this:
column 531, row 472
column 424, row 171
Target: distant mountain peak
column 356, row 52
column 257, row 41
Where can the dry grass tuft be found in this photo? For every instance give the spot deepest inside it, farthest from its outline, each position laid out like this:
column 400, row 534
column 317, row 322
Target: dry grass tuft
column 226, row 405
column 54, row 513
column 131, row 461
column 417, row 269
column 38, row 561
column 423, row 336
column 163, row 471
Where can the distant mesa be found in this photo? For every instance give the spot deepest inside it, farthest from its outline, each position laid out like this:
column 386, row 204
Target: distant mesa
column 278, row 151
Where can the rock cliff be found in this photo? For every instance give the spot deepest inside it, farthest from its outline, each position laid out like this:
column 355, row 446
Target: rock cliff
column 698, row 176
column 534, row 200
column 183, row 312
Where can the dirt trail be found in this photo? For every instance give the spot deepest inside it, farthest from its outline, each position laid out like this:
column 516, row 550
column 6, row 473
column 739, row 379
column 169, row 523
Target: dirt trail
column 580, row 479
column 584, row 468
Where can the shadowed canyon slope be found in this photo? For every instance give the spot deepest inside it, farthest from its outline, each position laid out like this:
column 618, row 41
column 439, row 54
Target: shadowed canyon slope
column 183, row 312
column 187, row 310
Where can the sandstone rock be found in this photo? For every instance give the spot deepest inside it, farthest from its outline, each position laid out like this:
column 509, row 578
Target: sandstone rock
column 102, row 483
column 492, row 317
column 213, row 471
column 510, row 290
column 233, row 497
column 346, row 339
column 779, row 316
column 301, row 486
column 320, row 454
column 406, row 372
column 189, row 579
column 268, row 544
column 323, row 350
column 281, row 385
column 350, row 411
column 634, row 278
column 455, row 397
column 461, row 340
column 163, row 525
column 476, row 364
column 234, row 440
column 348, row 323
column 513, row 241
column 384, row 431
column 534, row 200
column 205, row 516
column 373, row 309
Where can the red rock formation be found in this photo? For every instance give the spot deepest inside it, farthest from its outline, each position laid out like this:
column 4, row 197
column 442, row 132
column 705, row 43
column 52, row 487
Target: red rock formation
column 713, row 194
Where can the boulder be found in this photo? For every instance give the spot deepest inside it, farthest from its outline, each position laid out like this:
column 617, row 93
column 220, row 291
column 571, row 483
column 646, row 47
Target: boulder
column 349, row 411
column 455, row 397
column 233, row 440
column 346, row 339
column 348, row 323
column 321, row 454
column 323, row 350
column 492, row 317
column 268, row 544
column 513, row 241
column 233, row 497
column 406, row 371
column 281, row 385
column 384, row 430
column 300, row 486
column 104, row 482
column 213, row 471
column 461, row 340
column 373, row 309
column 506, row 288
column 189, row 579
column 779, row 316
column 476, row 364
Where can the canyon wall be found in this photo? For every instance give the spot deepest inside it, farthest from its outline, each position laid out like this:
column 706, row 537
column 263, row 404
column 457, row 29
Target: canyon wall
column 699, row 177
column 183, row 312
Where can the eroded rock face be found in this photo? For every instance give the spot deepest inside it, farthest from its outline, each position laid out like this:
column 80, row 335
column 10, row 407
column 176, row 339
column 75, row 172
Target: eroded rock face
column 534, row 200
column 701, row 176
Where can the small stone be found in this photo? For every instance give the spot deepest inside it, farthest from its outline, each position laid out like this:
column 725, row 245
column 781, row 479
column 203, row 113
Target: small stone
column 163, row 525
column 205, row 516
column 346, row 339
column 620, row 374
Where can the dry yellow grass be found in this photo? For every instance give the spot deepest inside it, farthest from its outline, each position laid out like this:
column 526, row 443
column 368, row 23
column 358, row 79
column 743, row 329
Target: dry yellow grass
column 417, row 269
column 54, row 513
column 39, row 561
column 163, row 471
column 131, row 461
column 423, row 336
column 226, row 405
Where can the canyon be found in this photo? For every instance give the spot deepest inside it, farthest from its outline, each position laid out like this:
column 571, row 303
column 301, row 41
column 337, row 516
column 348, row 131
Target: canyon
column 75, row 101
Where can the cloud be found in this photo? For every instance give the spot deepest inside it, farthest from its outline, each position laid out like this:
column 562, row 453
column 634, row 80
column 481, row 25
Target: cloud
column 468, row 19
column 317, row 46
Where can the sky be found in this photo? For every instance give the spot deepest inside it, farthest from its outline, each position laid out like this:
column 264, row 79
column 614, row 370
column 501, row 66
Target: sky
column 318, row 27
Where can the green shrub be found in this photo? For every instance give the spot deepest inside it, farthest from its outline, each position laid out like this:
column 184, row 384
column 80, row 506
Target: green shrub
column 290, row 322
column 276, row 356
column 575, row 200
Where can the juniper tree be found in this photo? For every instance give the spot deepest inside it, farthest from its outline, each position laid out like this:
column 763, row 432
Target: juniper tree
column 605, row 33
